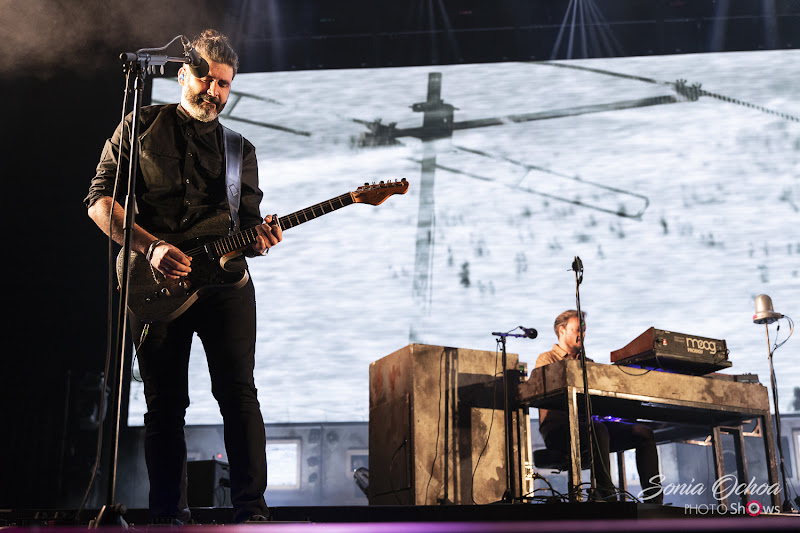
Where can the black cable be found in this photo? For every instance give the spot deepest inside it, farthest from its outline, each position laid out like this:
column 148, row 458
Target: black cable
column 577, row 266
column 787, row 504
column 680, row 86
column 646, row 370
column 391, row 464
column 690, row 92
column 491, row 425
column 110, row 304
column 438, row 424
column 549, row 487
column 138, row 347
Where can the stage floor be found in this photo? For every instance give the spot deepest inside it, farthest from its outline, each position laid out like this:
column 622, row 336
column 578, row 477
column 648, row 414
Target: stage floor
column 498, row 518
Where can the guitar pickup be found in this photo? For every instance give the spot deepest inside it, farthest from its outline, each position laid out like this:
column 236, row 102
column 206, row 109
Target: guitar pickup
column 210, row 252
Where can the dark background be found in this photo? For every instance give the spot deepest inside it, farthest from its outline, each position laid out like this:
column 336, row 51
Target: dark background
column 62, row 86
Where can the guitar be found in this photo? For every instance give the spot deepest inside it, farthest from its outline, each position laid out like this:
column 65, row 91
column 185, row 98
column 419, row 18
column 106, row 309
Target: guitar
column 217, row 259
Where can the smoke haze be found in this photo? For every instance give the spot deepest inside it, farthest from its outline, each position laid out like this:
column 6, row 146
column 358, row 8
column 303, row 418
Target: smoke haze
column 44, row 38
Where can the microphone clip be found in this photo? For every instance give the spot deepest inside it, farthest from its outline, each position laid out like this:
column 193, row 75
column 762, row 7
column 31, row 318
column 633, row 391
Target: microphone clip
column 577, row 267
column 196, row 63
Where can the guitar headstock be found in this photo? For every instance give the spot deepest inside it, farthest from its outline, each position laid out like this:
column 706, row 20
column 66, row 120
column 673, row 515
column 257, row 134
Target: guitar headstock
column 377, row 193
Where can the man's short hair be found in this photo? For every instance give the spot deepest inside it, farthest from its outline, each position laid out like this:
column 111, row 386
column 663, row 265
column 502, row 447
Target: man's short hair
column 214, row 46
column 563, row 318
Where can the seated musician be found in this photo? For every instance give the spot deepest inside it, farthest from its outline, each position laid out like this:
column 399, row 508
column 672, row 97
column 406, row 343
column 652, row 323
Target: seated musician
column 554, row 426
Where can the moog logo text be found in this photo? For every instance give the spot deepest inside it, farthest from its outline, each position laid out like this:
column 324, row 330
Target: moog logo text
column 698, row 345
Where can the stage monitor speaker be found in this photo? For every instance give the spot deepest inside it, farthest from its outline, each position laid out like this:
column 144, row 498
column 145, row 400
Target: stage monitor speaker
column 437, row 428
column 209, row 484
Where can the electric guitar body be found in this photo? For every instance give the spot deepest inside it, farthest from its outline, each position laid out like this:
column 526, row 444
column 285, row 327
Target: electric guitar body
column 152, row 297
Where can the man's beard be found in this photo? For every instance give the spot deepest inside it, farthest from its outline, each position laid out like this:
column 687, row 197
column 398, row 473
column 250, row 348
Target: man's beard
column 193, row 105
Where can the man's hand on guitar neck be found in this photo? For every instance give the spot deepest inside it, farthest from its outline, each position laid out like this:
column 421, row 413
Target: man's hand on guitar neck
column 269, row 234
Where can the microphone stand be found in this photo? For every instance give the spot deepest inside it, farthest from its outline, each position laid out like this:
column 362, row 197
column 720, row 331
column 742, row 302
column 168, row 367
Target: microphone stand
column 509, row 452
column 136, row 67
column 787, row 506
column 577, row 266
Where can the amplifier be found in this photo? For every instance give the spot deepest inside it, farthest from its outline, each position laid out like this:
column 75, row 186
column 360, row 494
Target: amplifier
column 674, row 352
column 209, row 484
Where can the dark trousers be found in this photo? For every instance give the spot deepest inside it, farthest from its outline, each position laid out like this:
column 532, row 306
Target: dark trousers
column 611, row 436
column 225, row 322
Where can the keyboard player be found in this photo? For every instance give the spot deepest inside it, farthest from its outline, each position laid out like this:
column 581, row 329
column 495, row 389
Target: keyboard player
column 554, row 426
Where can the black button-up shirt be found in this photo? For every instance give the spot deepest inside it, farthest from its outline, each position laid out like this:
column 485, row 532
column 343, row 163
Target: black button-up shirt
column 181, row 177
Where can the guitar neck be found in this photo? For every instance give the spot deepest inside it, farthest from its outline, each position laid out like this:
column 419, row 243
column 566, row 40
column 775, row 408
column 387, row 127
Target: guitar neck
column 310, row 213
column 243, row 239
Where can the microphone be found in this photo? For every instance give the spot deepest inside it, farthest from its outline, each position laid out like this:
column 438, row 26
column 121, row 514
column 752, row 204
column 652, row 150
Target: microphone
column 765, row 314
column 196, row 63
column 530, row 332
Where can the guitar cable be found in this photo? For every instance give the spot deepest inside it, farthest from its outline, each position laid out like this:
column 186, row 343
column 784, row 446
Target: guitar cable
column 136, row 349
column 438, row 425
column 491, row 423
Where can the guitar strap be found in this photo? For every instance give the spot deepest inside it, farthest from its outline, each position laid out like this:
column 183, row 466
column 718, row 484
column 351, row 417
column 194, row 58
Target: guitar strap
column 233, row 146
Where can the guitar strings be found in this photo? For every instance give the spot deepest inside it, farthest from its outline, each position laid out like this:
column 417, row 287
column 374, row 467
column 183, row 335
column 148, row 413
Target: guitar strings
column 284, row 222
column 220, row 243
column 305, row 212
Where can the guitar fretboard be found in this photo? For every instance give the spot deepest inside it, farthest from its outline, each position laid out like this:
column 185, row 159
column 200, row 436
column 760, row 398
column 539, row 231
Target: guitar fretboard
column 310, row 213
column 245, row 238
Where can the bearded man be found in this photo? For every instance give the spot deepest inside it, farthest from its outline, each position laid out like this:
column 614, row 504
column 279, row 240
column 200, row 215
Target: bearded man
column 180, row 183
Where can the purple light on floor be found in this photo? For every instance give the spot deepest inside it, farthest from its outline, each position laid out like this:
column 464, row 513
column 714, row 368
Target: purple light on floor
column 606, row 418
column 544, row 526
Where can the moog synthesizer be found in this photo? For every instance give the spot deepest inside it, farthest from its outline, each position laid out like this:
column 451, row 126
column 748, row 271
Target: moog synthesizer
column 674, row 352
